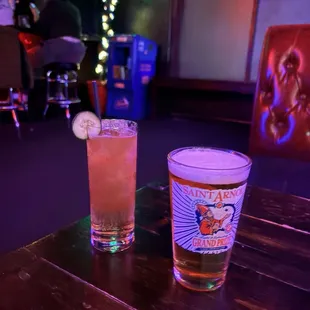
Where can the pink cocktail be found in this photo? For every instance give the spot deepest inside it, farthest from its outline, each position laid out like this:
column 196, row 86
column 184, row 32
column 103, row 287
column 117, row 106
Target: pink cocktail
column 112, row 157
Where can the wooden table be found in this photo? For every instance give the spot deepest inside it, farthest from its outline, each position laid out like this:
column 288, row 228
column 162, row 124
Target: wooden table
column 270, row 265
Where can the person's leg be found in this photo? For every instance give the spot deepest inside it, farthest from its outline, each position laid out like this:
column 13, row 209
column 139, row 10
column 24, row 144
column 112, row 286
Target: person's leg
column 35, row 56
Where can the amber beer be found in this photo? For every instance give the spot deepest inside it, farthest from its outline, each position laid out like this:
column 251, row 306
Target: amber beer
column 207, row 187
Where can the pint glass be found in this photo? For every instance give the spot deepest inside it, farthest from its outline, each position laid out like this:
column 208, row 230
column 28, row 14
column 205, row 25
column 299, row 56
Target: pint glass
column 112, row 157
column 207, row 187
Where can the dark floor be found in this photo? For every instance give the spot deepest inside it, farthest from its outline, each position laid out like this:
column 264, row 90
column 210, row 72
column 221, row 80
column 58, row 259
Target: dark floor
column 44, row 173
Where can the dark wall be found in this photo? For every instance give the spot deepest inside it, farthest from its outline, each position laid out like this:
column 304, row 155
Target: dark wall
column 149, row 18
column 91, row 11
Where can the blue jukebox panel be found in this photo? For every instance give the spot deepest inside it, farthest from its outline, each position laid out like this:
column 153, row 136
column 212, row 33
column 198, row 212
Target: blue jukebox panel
column 126, row 104
column 131, row 66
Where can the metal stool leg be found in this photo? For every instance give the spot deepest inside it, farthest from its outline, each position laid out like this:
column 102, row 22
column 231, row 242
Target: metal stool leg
column 45, row 109
column 75, row 76
column 48, row 74
column 23, row 104
column 48, row 85
column 22, row 101
column 66, row 77
column 14, row 115
column 68, row 115
column 59, row 88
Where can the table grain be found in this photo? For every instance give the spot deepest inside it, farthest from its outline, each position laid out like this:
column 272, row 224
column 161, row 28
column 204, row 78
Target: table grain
column 269, row 267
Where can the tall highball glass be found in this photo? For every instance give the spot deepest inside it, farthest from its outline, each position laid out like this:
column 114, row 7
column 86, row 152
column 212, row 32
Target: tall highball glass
column 112, row 157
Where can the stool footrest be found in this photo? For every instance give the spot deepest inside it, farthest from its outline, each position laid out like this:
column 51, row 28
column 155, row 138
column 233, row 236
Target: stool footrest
column 64, row 101
column 7, row 107
column 62, row 81
column 62, row 86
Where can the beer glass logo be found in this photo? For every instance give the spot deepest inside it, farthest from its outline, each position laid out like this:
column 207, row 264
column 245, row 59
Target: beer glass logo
column 208, row 223
column 205, row 221
column 122, row 104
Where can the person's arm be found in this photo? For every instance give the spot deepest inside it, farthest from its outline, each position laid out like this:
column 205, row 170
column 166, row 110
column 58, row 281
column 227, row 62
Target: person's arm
column 35, row 12
column 40, row 20
column 79, row 20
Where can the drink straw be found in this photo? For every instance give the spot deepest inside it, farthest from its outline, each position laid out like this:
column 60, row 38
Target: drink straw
column 96, row 102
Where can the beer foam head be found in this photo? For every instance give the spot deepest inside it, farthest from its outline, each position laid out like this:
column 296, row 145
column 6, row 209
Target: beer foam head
column 209, row 165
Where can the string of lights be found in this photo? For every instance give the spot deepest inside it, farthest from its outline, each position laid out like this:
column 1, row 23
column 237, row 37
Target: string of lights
column 109, row 7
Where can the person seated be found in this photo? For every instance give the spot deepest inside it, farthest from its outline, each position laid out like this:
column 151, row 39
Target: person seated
column 23, row 15
column 7, row 12
column 59, row 25
column 15, row 67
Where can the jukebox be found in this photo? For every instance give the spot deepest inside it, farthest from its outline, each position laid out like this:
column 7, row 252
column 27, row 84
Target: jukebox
column 131, row 66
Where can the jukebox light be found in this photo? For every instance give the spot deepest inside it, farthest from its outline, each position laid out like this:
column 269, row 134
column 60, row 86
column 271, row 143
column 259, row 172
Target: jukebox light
column 107, row 17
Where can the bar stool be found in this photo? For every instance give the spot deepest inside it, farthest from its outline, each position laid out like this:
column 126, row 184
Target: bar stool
column 16, row 74
column 8, row 105
column 64, row 78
